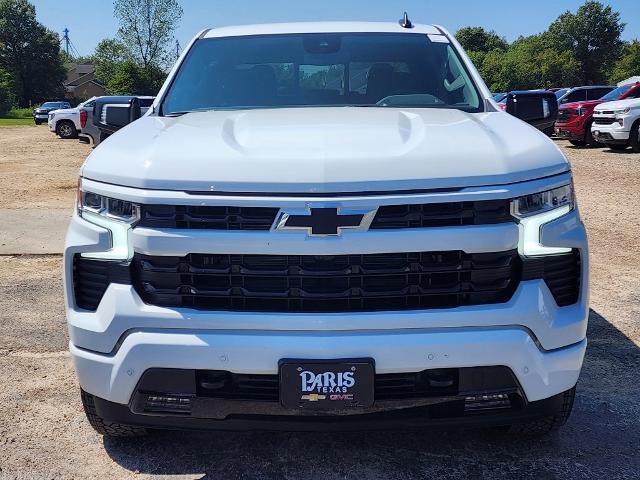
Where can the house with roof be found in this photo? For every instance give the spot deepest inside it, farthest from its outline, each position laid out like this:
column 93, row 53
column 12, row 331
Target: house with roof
column 81, row 82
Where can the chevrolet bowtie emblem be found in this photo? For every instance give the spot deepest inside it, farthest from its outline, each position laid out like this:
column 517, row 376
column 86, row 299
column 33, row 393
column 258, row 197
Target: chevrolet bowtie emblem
column 325, row 221
column 313, row 397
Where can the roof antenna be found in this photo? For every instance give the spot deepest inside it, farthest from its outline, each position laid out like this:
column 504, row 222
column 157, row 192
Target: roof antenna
column 405, row 22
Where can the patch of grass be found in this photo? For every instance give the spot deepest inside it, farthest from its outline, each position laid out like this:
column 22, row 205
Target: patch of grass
column 12, row 122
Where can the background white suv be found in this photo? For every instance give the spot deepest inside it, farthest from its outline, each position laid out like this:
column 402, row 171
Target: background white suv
column 617, row 124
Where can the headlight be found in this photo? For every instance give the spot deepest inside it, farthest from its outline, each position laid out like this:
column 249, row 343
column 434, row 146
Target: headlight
column 117, row 216
column 622, row 111
column 534, row 210
column 581, row 111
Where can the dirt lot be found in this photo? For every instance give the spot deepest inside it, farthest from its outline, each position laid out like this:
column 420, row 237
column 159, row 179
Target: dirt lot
column 43, row 433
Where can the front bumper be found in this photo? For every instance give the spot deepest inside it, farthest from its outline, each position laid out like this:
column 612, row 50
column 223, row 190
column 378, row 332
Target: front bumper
column 569, row 131
column 614, row 133
column 540, row 373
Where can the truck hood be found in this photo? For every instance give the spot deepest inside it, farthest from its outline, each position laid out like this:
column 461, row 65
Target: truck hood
column 324, row 150
column 619, row 104
column 69, row 111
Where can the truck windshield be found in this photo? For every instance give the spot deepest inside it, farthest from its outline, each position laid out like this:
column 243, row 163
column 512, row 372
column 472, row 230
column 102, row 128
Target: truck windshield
column 310, row 70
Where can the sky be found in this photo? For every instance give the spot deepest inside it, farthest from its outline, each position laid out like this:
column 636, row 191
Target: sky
column 90, row 21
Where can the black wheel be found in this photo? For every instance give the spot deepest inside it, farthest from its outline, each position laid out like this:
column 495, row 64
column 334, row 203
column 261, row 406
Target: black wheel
column 577, row 143
column 617, row 146
column 66, row 129
column 103, row 427
column 588, row 137
column 38, row 122
column 548, row 424
column 634, row 138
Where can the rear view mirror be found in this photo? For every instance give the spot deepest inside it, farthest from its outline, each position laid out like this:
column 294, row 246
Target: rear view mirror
column 110, row 114
column 539, row 108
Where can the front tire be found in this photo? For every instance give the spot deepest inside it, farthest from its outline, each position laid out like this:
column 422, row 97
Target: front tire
column 545, row 425
column 634, row 138
column 103, row 427
column 588, row 137
column 38, row 122
column 577, row 143
column 66, row 130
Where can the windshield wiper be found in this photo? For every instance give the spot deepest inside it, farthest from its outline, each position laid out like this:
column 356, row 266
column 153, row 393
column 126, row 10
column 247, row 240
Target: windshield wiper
column 178, row 114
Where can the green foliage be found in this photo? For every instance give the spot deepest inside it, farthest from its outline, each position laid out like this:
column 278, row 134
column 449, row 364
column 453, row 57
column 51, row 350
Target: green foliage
column 592, row 35
column 6, row 92
column 530, row 63
column 477, row 39
column 30, row 53
column 108, row 55
column 628, row 65
column 129, row 78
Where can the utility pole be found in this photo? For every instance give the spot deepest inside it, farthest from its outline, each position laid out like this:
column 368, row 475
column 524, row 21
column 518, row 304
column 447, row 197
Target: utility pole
column 66, row 40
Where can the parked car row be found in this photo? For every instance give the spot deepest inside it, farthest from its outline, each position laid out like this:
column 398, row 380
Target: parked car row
column 577, row 122
column 594, row 114
column 78, row 122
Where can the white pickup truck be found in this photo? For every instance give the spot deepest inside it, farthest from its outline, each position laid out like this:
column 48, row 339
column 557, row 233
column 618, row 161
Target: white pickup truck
column 326, row 225
column 66, row 122
column 617, row 124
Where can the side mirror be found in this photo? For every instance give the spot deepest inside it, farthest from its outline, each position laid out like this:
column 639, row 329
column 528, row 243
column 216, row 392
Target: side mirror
column 110, row 114
column 538, row 108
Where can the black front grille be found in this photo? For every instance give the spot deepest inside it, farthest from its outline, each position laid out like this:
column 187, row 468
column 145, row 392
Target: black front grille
column 604, row 120
column 206, row 217
column 327, row 283
column 92, row 277
column 387, row 217
column 561, row 273
column 565, row 114
column 442, row 214
column 389, row 386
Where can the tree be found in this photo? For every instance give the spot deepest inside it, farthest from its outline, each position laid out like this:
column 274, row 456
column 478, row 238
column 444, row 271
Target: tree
column 146, row 28
column 628, row 65
column 528, row 63
column 30, row 53
column 6, row 92
column 477, row 39
column 592, row 35
column 129, row 78
column 108, row 55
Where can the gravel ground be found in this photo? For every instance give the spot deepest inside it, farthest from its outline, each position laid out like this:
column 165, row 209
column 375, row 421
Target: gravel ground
column 43, row 432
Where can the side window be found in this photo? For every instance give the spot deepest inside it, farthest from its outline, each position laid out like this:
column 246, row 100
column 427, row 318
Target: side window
column 596, row 93
column 576, row 96
column 90, row 104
